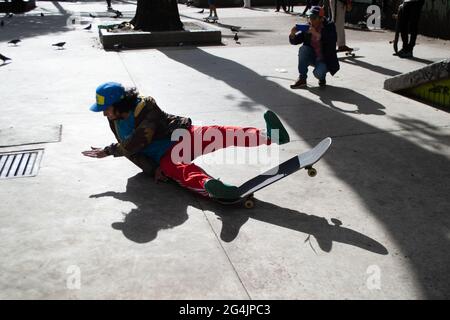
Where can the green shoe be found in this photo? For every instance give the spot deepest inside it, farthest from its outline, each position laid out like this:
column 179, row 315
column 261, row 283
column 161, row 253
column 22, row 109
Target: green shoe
column 273, row 123
column 218, row 189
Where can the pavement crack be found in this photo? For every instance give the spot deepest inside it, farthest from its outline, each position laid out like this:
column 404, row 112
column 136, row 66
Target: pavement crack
column 224, row 250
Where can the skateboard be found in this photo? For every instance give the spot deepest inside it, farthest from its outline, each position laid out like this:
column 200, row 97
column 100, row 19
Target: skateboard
column 304, row 160
column 349, row 52
column 209, row 20
column 398, row 17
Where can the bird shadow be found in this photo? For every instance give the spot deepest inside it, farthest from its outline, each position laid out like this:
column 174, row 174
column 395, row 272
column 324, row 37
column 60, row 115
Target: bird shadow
column 155, row 210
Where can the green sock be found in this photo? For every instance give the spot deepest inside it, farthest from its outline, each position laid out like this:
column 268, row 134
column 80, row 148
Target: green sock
column 218, row 189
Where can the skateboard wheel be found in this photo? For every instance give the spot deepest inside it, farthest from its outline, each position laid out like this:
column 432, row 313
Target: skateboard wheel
column 249, row 203
column 312, row 172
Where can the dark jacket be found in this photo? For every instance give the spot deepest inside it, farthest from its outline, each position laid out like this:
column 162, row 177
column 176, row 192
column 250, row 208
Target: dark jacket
column 328, row 40
column 151, row 123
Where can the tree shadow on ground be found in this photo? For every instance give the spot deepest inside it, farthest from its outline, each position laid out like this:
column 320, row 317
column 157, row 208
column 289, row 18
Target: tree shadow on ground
column 22, row 27
column 381, row 169
column 155, row 211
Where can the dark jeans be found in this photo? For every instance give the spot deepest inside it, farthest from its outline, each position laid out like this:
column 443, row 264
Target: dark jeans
column 281, row 3
column 290, row 4
column 409, row 23
column 109, row 3
column 306, row 58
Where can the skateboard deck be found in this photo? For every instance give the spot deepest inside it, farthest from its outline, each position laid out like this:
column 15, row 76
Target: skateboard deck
column 304, row 160
column 349, row 52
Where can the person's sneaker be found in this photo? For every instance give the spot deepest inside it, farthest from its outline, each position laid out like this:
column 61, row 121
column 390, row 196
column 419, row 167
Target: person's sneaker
column 219, row 190
column 274, row 123
column 322, row 83
column 214, row 18
column 300, row 83
column 110, row 9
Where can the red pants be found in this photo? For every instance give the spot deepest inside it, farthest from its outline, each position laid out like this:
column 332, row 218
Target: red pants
column 177, row 161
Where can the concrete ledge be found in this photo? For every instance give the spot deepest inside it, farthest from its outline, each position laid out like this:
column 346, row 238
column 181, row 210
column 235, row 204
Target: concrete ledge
column 433, row 72
column 194, row 33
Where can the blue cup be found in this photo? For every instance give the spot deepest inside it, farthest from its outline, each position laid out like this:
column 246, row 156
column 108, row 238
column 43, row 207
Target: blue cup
column 302, row 27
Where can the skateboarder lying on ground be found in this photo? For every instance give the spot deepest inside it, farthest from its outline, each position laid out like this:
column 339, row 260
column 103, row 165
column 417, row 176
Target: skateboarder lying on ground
column 318, row 49
column 165, row 145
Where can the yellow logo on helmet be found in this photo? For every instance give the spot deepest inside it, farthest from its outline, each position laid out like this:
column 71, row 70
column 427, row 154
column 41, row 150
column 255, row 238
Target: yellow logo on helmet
column 100, row 99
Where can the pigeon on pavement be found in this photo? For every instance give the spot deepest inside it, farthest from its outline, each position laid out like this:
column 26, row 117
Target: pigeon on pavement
column 14, row 41
column 59, row 44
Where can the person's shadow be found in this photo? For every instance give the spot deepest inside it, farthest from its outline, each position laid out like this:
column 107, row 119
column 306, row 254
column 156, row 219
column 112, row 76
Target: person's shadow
column 331, row 94
column 164, row 206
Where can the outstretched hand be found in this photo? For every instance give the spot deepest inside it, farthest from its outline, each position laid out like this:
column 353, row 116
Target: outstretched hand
column 95, row 153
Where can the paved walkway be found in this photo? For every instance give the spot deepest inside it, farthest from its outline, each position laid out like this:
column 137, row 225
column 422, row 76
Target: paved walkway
column 373, row 224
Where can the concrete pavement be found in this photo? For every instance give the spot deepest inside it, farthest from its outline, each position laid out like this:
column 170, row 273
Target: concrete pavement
column 373, row 224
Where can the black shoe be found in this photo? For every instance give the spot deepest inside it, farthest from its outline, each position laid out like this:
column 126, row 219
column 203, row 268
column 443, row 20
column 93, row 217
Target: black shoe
column 300, row 83
column 400, row 52
column 322, row 83
column 405, row 54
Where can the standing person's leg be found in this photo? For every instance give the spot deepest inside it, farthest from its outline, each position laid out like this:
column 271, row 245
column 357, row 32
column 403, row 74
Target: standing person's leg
column 278, row 5
column 307, row 7
column 306, row 57
column 108, row 2
column 404, row 26
column 290, row 6
column 214, row 9
column 338, row 16
column 211, row 8
column 414, row 24
column 283, row 4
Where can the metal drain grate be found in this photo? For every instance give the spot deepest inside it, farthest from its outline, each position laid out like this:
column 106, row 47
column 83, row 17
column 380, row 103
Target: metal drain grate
column 20, row 164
